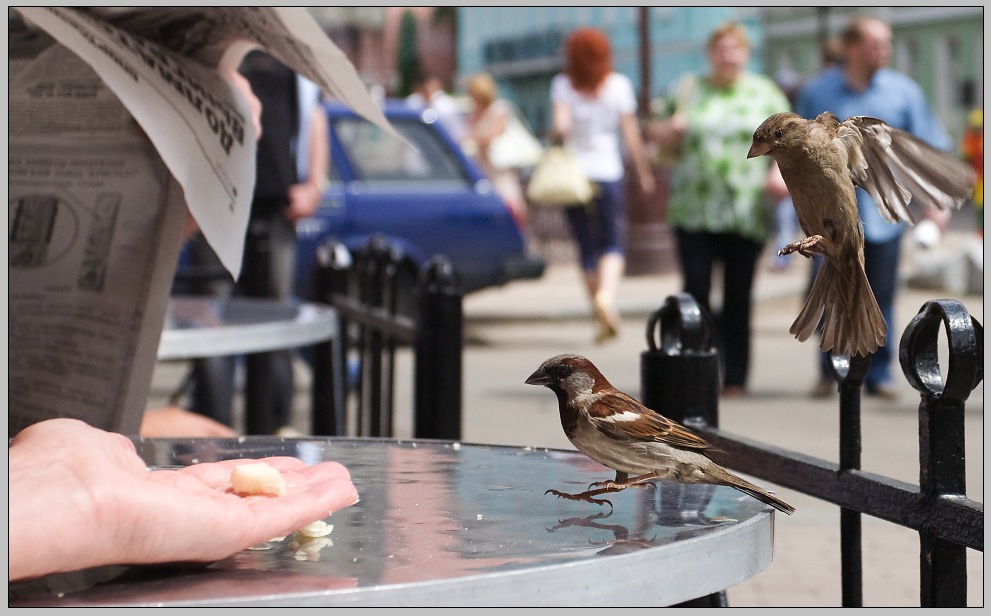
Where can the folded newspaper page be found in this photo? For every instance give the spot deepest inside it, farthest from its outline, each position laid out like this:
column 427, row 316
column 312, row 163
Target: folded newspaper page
column 119, row 121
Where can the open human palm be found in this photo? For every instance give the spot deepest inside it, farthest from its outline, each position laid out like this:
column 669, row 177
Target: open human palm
column 82, row 497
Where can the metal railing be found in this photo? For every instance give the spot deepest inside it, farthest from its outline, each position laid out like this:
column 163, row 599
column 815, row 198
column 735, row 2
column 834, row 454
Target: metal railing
column 384, row 304
column 680, row 370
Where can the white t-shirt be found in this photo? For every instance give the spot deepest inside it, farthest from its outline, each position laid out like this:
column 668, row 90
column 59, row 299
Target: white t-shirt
column 594, row 137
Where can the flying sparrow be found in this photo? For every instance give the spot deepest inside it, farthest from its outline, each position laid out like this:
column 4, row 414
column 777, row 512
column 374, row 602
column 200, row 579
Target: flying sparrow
column 821, row 161
column 617, row 431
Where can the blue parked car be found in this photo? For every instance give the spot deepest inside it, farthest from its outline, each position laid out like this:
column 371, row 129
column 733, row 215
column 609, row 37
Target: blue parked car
column 425, row 196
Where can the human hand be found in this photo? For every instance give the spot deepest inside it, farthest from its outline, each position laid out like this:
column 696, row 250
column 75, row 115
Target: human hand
column 669, row 132
column 647, row 183
column 303, row 200
column 175, row 422
column 82, row 497
column 189, row 226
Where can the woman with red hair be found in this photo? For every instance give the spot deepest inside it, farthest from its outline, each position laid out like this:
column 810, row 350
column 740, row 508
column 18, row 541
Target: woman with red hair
column 592, row 107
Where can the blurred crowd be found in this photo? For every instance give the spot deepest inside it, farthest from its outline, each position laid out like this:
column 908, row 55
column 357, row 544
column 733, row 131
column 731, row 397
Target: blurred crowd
column 723, row 209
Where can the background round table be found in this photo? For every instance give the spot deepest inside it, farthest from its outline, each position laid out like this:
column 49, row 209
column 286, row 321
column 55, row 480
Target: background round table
column 449, row 524
column 201, row 326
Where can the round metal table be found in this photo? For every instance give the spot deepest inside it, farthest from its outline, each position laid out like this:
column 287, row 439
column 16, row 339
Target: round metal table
column 217, row 326
column 450, row 524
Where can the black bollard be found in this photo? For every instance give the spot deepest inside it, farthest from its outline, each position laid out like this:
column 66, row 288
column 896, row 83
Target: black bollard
column 679, row 377
column 439, row 345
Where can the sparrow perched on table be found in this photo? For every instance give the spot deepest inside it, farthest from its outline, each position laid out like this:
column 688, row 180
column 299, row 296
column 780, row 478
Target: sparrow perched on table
column 821, row 161
column 617, row 431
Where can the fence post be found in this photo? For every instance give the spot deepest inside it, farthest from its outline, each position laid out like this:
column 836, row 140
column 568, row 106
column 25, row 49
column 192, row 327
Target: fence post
column 438, row 348
column 679, row 377
column 942, row 462
column 329, row 388
column 376, row 264
column 850, row 373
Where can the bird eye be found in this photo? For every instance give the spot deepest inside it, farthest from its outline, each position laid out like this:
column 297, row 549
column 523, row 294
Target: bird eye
column 777, row 134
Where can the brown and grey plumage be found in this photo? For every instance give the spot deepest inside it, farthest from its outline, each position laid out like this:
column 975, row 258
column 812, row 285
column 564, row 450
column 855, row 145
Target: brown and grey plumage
column 822, row 161
column 616, row 431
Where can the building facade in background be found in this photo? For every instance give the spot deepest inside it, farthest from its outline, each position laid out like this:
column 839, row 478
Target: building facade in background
column 941, row 48
column 369, row 36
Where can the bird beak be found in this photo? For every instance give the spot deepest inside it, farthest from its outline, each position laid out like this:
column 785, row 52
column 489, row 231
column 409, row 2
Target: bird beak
column 758, row 149
column 537, row 378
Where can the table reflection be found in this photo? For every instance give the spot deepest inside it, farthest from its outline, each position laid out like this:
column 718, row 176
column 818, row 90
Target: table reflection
column 440, row 522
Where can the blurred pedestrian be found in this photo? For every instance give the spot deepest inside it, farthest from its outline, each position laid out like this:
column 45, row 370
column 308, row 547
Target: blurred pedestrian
column 593, row 108
column 488, row 119
column 429, row 93
column 721, row 204
column 292, row 159
column 863, row 85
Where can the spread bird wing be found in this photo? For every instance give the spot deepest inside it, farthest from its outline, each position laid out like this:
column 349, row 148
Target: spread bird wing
column 895, row 167
column 631, row 421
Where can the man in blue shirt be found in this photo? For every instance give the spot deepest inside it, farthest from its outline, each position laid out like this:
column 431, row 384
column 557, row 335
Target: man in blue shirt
column 863, row 85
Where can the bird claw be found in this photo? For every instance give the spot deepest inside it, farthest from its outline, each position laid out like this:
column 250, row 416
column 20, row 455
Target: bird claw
column 612, row 486
column 608, row 484
column 808, row 247
column 581, row 496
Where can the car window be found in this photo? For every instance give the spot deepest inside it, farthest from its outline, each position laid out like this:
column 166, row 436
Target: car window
column 378, row 156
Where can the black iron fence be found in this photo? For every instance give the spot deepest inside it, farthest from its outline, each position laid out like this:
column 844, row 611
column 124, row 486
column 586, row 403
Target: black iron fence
column 385, row 304
column 680, row 371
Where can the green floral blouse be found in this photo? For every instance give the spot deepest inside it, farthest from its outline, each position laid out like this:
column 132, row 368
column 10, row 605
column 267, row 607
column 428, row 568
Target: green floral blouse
column 714, row 186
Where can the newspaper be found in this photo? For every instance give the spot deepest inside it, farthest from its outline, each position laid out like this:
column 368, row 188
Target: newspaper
column 119, row 122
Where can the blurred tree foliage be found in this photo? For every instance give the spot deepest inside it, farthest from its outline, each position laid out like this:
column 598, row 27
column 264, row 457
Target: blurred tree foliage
column 407, row 54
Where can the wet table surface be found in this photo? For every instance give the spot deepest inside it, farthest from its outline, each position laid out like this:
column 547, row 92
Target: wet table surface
column 450, row 524
column 218, row 326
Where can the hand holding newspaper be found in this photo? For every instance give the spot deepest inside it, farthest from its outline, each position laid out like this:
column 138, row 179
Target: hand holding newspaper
column 119, row 120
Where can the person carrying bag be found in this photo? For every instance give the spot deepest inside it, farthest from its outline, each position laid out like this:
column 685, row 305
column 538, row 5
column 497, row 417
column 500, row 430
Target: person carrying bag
column 594, row 112
column 499, row 142
column 515, row 147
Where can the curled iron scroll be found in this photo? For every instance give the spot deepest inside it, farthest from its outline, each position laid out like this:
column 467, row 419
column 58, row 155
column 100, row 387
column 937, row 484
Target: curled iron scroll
column 685, row 328
column 919, row 353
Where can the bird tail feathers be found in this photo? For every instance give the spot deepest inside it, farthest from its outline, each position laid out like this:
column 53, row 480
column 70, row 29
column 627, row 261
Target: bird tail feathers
column 851, row 319
column 727, row 478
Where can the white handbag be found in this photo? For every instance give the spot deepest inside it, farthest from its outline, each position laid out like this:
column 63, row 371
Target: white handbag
column 559, row 181
column 515, row 147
